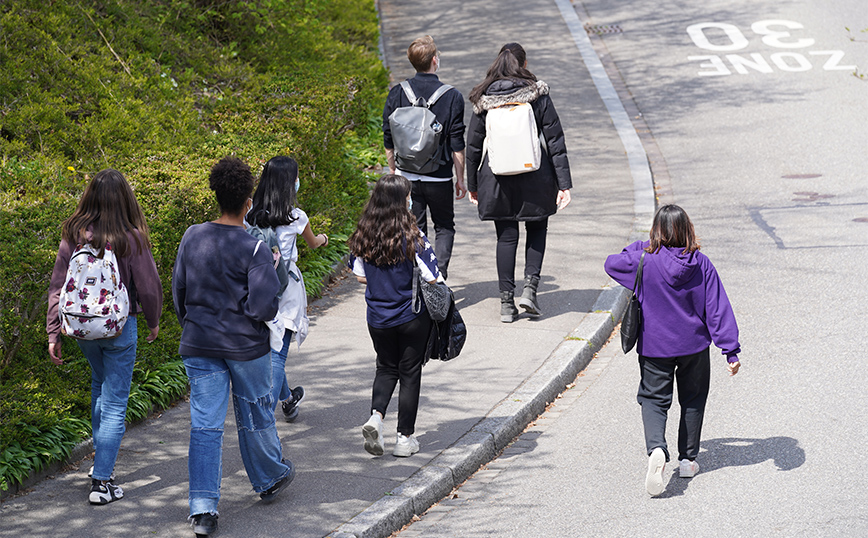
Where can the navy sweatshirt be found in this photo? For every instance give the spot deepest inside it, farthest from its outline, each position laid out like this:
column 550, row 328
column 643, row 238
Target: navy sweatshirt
column 224, row 293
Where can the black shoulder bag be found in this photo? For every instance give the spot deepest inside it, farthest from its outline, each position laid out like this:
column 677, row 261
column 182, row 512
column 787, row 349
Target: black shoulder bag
column 633, row 315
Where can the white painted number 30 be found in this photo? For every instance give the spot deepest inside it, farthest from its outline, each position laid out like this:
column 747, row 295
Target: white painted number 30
column 775, row 33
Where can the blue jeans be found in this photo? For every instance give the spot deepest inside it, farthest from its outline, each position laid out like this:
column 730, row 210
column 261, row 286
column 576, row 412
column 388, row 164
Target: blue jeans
column 280, row 387
column 258, row 441
column 111, row 372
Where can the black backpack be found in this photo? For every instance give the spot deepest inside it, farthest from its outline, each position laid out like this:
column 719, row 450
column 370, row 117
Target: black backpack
column 416, row 132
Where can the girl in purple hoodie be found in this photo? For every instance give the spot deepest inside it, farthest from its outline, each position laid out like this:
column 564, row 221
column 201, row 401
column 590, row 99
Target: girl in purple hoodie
column 684, row 308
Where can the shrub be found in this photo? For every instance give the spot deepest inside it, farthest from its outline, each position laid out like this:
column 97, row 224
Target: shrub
column 160, row 91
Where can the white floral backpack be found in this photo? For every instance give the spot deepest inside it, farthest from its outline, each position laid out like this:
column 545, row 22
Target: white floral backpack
column 94, row 303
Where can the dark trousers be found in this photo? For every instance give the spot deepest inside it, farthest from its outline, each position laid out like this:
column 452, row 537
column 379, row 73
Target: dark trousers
column 693, row 374
column 507, row 246
column 400, row 353
column 436, row 197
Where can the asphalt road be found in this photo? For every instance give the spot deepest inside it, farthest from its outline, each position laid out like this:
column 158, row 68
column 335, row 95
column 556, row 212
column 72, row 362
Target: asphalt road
column 759, row 129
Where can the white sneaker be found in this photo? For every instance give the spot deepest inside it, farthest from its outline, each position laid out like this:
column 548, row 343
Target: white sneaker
column 654, row 478
column 688, row 469
column 405, row 446
column 372, row 431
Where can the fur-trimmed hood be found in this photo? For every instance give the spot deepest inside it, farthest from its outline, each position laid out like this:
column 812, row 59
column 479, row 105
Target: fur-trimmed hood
column 502, row 92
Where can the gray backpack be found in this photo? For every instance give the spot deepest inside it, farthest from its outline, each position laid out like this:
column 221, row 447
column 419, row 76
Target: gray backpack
column 416, row 132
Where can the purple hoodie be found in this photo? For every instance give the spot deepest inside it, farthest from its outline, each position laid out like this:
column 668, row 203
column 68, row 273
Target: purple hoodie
column 684, row 305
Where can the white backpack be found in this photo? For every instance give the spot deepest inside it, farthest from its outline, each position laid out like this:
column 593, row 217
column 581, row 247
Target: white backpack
column 512, row 140
column 94, row 303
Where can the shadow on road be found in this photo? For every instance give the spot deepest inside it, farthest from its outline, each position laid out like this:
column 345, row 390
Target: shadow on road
column 737, row 452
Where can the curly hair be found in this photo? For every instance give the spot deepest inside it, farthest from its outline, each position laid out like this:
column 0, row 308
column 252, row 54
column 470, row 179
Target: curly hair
column 387, row 233
column 275, row 196
column 672, row 228
column 109, row 207
column 232, row 182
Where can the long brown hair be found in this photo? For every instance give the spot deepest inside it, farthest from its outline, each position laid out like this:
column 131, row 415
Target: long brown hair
column 672, row 228
column 110, row 207
column 509, row 64
column 387, row 233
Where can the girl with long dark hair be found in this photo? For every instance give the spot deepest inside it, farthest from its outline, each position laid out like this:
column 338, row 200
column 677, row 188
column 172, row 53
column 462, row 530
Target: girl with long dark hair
column 530, row 197
column 275, row 205
column 385, row 247
column 684, row 309
column 108, row 216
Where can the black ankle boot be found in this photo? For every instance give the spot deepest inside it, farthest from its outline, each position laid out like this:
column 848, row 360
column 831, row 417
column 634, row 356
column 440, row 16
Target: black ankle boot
column 528, row 296
column 508, row 311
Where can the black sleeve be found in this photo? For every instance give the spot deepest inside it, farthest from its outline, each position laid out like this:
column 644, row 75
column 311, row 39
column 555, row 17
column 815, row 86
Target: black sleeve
column 473, row 155
column 553, row 133
column 456, row 130
column 393, row 101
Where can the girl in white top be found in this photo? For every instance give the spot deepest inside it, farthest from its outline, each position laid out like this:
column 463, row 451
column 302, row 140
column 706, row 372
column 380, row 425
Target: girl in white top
column 274, row 206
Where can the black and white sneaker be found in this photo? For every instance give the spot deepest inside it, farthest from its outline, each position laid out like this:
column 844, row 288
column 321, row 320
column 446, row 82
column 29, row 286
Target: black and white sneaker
column 290, row 405
column 204, row 524
column 270, row 494
column 104, row 492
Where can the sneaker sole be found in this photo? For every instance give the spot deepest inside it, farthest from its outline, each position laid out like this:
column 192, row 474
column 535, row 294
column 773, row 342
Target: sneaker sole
column 654, row 478
column 200, row 530
column 372, row 440
column 508, row 318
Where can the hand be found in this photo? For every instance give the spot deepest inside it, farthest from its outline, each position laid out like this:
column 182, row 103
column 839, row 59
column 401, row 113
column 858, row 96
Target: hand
column 460, row 189
column 473, row 199
column 733, row 367
column 55, row 353
column 563, row 199
column 152, row 335
column 325, row 240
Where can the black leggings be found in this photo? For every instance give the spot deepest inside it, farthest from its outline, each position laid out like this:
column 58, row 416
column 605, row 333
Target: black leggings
column 400, row 353
column 507, row 246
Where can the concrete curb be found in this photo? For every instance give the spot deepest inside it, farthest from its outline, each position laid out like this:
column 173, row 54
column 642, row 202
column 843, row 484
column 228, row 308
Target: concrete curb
column 489, row 436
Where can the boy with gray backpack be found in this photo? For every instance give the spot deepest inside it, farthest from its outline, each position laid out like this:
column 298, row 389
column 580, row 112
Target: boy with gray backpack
column 423, row 133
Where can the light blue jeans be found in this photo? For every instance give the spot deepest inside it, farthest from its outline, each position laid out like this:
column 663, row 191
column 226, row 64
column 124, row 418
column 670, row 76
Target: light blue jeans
column 280, row 387
column 111, row 372
column 250, row 381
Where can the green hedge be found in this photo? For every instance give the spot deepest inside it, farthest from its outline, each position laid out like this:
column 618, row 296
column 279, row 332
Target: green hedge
column 161, row 90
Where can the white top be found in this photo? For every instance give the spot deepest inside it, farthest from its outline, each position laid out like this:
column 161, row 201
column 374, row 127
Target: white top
column 419, row 177
column 292, row 308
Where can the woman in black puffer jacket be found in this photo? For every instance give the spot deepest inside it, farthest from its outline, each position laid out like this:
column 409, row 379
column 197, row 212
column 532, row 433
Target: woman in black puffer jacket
column 530, row 197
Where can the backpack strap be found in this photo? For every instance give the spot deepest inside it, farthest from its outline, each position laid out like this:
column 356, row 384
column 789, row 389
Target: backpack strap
column 411, row 95
column 438, row 94
column 408, row 91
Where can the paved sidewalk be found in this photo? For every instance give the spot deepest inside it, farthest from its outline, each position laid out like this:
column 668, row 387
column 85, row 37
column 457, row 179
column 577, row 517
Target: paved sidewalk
column 471, row 407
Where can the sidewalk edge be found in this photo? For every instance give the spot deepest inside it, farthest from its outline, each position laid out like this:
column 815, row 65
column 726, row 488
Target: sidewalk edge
column 433, row 481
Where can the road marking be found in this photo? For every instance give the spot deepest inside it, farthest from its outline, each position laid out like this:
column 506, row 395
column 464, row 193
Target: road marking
column 643, row 184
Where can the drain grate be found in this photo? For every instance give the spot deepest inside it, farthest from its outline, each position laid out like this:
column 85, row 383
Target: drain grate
column 603, row 29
